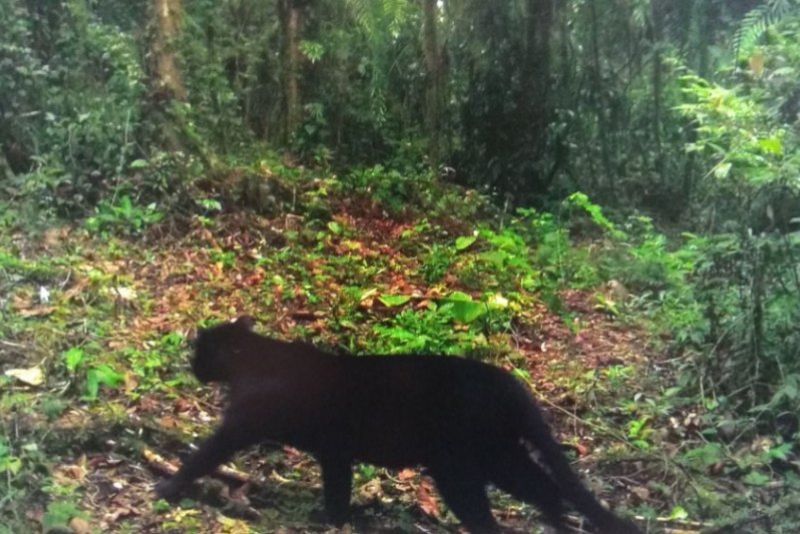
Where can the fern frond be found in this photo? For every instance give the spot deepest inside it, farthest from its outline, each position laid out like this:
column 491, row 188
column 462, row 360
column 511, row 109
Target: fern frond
column 756, row 22
column 378, row 15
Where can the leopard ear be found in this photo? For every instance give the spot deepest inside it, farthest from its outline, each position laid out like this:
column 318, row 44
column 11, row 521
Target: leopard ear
column 245, row 321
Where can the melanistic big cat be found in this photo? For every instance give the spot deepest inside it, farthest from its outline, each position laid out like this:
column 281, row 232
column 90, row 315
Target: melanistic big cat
column 466, row 421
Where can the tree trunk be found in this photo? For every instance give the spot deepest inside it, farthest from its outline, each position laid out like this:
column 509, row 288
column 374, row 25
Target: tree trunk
column 435, row 79
column 291, row 21
column 600, row 101
column 536, row 87
column 167, row 18
column 657, row 81
column 701, row 33
column 168, row 84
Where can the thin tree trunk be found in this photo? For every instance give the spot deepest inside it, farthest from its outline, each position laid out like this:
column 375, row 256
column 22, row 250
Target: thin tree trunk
column 657, row 81
column 537, row 83
column 291, row 20
column 167, row 81
column 757, row 334
column 167, row 18
column 701, row 32
column 600, row 102
column 435, row 89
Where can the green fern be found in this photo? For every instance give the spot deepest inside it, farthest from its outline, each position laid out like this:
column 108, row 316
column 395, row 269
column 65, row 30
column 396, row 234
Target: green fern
column 380, row 20
column 378, row 16
column 756, row 22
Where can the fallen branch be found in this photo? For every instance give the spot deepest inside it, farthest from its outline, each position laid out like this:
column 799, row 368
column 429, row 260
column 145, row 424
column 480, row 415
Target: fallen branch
column 306, row 315
column 13, row 345
column 234, row 504
column 682, row 525
column 161, row 464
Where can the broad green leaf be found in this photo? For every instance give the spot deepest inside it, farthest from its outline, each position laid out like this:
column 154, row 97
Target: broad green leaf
column 464, row 242
column 139, row 164
column 335, row 228
column 103, row 375
column 781, row 452
column 465, row 311
column 210, row 204
column 11, row 464
column 392, row 301
column 521, row 373
column 678, row 513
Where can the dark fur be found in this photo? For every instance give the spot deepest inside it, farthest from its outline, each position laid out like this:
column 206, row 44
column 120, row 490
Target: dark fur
column 466, row 421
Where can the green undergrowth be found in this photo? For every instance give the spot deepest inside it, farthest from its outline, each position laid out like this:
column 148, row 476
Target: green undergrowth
column 95, row 316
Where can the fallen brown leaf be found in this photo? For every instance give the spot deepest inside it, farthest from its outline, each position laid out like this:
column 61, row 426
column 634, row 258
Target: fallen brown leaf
column 169, row 422
column 426, row 497
column 73, row 472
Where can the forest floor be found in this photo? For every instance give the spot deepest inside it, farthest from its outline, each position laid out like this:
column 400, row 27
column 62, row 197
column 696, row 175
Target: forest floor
column 98, row 404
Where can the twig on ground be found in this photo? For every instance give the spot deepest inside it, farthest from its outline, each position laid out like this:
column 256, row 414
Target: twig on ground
column 13, row 345
column 161, row 464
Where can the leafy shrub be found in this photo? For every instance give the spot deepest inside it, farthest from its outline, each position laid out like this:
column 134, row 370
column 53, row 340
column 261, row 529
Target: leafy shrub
column 123, row 216
column 437, row 263
column 78, row 362
column 744, row 276
column 87, row 110
column 414, row 332
column 433, row 331
column 747, row 150
column 394, row 190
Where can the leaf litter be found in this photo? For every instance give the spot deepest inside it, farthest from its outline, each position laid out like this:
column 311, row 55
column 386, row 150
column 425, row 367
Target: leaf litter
column 296, row 290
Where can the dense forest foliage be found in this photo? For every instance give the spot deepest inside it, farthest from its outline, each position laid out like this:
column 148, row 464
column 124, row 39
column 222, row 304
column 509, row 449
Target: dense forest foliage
column 446, row 176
